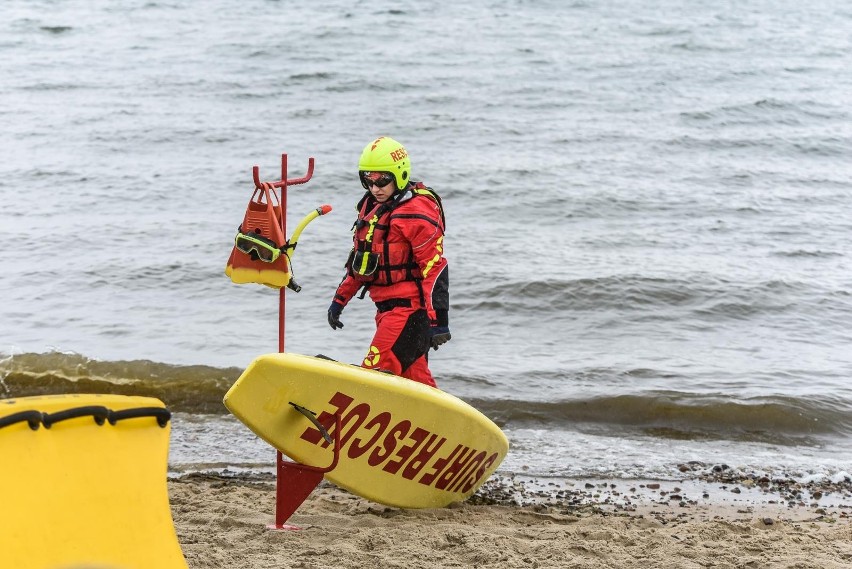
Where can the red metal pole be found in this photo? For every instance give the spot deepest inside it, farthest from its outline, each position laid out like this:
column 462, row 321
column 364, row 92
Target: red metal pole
column 281, row 295
column 281, row 513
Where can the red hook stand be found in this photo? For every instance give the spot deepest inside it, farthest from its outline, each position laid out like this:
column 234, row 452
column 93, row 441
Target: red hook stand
column 294, row 481
column 284, row 182
column 282, row 185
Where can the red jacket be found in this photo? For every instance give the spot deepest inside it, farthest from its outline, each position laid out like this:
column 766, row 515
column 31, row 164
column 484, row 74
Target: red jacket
column 403, row 240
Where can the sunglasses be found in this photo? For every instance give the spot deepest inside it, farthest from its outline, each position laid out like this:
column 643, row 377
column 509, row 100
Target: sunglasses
column 380, row 179
column 264, row 248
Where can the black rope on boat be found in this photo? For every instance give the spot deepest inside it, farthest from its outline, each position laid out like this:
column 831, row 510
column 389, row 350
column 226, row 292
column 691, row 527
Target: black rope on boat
column 31, row 417
column 99, row 413
column 161, row 414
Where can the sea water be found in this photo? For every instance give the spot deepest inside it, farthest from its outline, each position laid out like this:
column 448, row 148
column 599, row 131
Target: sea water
column 648, row 213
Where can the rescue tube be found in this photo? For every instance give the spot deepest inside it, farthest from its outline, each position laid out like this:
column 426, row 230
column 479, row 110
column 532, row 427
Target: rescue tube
column 84, row 483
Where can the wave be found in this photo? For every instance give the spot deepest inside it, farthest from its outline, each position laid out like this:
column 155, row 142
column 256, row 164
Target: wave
column 683, row 415
column 56, row 30
column 191, row 389
column 825, row 146
column 199, row 389
column 765, row 112
column 709, row 298
column 818, row 253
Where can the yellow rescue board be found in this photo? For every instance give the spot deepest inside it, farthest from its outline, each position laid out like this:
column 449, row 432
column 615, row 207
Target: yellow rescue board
column 84, row 483
column 403, row 444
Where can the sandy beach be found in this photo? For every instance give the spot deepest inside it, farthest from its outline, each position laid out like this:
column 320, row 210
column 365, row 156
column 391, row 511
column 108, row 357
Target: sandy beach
column 221, row 523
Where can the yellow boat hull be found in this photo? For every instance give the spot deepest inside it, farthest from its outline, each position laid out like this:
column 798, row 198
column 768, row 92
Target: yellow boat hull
column 78, row 493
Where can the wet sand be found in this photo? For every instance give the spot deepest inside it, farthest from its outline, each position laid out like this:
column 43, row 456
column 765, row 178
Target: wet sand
column 221, row 522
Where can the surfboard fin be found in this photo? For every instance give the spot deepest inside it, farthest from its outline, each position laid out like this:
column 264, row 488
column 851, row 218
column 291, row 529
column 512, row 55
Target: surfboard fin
column 312, row 417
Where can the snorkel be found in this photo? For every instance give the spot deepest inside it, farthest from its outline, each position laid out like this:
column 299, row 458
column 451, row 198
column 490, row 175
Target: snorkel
column 290, row 246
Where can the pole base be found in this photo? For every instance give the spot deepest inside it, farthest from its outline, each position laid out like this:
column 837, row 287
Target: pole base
column 283, row 527
column 295, row 483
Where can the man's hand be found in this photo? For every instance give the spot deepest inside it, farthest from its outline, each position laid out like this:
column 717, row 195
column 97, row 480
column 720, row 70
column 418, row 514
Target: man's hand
column 440, row 335
column 334, row 311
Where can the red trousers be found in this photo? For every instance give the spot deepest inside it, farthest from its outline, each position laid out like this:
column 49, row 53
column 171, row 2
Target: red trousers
column 401, row 344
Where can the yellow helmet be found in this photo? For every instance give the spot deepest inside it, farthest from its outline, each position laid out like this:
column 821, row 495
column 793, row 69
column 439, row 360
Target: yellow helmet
column 386, row 155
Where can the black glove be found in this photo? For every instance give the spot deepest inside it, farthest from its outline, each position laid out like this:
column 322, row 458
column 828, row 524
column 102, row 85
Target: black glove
column 440, row 335
column 334, row 311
